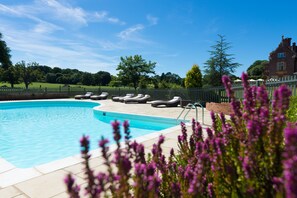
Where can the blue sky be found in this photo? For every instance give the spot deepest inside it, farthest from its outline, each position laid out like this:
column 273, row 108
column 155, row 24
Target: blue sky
column 92, row 35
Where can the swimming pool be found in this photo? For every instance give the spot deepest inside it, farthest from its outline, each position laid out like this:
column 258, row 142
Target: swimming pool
column 38, row 132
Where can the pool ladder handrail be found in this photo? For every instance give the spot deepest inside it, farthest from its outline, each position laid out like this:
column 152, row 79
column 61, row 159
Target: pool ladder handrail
column 190, row 107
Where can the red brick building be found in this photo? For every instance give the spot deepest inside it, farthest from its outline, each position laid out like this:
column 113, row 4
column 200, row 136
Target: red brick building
column 283, row 60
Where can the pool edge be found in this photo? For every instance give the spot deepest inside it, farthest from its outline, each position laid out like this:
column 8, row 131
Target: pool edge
column 13, row 175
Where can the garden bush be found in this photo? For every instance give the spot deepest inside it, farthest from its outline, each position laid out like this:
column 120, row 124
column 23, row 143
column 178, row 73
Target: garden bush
column 254, row 154
column 292, row 112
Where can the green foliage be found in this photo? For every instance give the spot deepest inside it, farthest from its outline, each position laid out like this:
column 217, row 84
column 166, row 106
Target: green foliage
column 27, row 74
column 11, row 75
column 102, row 78
column 257, row 69
column 171, row 78
column 193, row 77
column 5, row 61
column 220, row 63
column 133, row 68
column 87, row 79
column 292, row 112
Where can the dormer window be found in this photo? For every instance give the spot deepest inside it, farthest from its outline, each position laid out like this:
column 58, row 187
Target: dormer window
column 281, row 66
column 281, row 55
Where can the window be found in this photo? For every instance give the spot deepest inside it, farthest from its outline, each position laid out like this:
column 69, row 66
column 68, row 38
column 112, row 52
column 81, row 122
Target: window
column 281, row 66
column 281, row 55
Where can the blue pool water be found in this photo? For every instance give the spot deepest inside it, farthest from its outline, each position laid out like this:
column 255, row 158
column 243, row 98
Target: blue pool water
column 34, row 133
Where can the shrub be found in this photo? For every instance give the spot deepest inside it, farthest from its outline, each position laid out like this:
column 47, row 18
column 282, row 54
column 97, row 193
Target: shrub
column 292, row 112
column 246, row 156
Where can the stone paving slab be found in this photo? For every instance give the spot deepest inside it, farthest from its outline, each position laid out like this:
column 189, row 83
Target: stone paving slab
column 46, row 185
column 10, row 191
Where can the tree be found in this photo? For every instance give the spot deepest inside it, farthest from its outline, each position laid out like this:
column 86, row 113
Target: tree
column 171, row 78
column 102, row 78
column 26, row 71
column 193, row 77
column 220, row 63
column 51, row 78
column 5, row 61
column 133, row 68
column 257, row 69
column 8, row 72
column 11, row 75
column 87, row 78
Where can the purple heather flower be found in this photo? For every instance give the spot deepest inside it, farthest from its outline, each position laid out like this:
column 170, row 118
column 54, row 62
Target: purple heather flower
column 171, row 152
column 210, row 190
column 188, row 173
column 193, row 124
column 236, row 108
column 176, row 191
column 290, row 161
column 209, row 133
column 154, row 183
column 84, row 144
column 134, row 146
column 139, row 168
column 198, row 131
column 180, row 138
column 227, row 83
column 116, row 130
column 126, row 164
column 246, row 167
column 126, row 130
column 161, row 140
column 199, row 148
column 213, row 117
column 181, row 170
column 184, row 131
column 115, row 125
column 150, row 168
column 223, row 119
column 140, row 149
column 277, row 183
column 126, row 124
column 103, row 142
column 72, row 188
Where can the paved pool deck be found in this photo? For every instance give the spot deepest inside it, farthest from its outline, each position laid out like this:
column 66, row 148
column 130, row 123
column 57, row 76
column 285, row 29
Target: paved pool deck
column 46, row 180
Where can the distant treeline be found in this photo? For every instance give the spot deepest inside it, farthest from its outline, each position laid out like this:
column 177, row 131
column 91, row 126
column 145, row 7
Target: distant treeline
column 101, row 78
column 69, row 76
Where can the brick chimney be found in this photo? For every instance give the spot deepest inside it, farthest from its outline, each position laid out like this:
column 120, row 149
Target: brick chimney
column 286, row 42
column 294, row 47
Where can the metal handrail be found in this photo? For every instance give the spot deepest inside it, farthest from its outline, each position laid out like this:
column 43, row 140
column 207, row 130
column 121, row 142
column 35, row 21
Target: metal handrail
column 190, row 106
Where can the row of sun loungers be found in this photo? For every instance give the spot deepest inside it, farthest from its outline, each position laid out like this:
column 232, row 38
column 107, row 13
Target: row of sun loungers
column 130, row 98
column 174, row 102
column 89, row 95
column 140, row 98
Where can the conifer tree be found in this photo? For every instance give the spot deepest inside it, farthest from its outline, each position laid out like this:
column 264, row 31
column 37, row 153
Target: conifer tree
column 220, row 63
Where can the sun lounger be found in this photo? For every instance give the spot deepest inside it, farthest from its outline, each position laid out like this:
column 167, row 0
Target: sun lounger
column 170, row 103
column 118, row 98
column 86, row 96
column 144, row 99
column 138, row 96
column 102, row 96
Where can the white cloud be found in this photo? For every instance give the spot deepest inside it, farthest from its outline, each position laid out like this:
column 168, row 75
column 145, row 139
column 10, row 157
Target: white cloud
column 55, row 10
column 48, row 50
column 131, row 32
column 44, row 27
column 152, row 20
column 103, row 16
column 66, row 12
column 8, row 10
